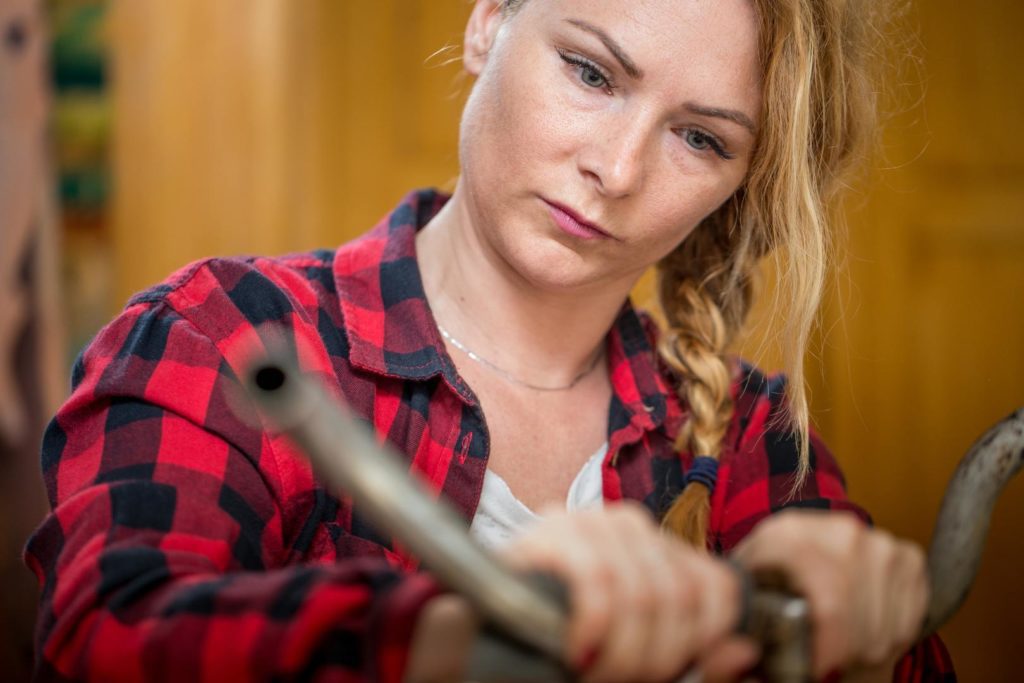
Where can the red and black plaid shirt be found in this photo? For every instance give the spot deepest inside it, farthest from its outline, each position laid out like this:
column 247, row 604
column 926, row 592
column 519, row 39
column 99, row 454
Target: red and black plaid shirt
column 187, row 543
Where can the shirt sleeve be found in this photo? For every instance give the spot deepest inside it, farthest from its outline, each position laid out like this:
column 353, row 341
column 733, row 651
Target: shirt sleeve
column 174, row 547
column 758, row 477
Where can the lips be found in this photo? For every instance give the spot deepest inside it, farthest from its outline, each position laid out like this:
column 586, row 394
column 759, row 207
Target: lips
column 574, row 224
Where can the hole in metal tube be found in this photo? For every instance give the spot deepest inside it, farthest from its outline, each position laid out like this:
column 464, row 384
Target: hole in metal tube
column 270, row 378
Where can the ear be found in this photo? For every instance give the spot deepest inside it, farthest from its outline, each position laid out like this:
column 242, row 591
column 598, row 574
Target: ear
column 481, row 30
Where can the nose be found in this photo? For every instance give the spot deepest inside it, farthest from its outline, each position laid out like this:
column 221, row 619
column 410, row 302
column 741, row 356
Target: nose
column 615, row 157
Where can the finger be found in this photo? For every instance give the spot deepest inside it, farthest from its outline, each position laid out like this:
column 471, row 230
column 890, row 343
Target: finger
column 877, row 608
column 913, row 592
column 443, row 638
column 829, row 601
column 592, row 595
column 675, row 637
column 704, row 601
column 633, row 551
column 829, row 595
column 830, row 598
column 776, row 539
column 819, row 554
column 619, row 656
column 729, row 659
column 899, row 590
column 558, row 545
column 719, row 597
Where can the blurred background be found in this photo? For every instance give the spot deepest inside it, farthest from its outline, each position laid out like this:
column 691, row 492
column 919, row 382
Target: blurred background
column 137, row 135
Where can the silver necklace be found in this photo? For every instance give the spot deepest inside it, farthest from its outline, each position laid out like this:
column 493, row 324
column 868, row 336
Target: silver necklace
column 507, row 375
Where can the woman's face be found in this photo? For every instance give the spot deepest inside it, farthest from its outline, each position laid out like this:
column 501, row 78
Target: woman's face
column 599, row 133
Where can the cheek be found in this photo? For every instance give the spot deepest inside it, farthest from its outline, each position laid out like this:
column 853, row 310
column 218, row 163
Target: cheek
column 519, row 115
column 693, row 185
column 678, row 209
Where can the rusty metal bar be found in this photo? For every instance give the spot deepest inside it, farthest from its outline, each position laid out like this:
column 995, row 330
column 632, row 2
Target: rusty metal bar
column 347, row 453
column 962, row 525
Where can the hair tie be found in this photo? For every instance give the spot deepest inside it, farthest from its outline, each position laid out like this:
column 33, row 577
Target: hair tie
column 703, row 471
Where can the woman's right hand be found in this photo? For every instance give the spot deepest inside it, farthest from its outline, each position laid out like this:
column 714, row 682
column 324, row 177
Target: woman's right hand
column 643, row 605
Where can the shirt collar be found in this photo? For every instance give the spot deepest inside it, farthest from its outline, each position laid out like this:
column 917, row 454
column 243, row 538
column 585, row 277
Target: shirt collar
column 391, row 330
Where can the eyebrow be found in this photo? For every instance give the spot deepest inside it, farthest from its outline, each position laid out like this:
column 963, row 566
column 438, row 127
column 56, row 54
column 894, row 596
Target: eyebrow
column 634, row 71
column 628, row 64
column 737, row 117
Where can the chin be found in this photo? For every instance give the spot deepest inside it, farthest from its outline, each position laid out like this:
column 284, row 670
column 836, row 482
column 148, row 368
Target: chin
column 548, row 265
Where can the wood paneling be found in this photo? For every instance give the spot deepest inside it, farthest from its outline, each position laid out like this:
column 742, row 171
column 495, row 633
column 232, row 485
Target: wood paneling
column 274, row 126
column 926, row 352
column 279, row 125
column 203, row 157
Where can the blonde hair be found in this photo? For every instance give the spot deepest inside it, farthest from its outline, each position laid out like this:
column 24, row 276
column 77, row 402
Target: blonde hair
column 817, row 117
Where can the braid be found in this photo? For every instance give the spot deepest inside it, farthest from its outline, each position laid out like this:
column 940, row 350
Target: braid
column 705, row 290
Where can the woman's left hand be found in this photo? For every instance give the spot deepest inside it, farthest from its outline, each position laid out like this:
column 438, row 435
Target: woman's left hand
column 866, row 589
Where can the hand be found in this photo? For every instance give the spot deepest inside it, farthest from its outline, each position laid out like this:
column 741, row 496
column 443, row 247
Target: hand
column 643, row 605
column 867, row 590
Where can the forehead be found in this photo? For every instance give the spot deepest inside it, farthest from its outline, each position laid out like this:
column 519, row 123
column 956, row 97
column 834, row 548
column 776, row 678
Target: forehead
column 711, row 45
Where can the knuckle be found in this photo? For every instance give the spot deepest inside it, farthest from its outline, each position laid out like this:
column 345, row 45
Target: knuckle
column 616, row 667
column 590, row 621
column 885, row 547
column 877, row 653
column 883, row 539
column 832, row 651
column 915, row 557
column 830, row 613
column 598, row 576
column 526, row 551
column 633, row 514
column 689, row 599
column 782, row 529
column 906, row 560
column 786, row 523
column 849, row 532
column 924, row 594
column 906, row 636
column 662, row 668
column 645, row 601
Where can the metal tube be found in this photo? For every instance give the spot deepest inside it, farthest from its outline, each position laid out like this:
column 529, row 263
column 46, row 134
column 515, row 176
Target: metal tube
column 962, row 525
column 347, row 453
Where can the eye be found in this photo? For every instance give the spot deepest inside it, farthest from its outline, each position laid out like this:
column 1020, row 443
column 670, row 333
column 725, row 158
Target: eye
column 701, row 141
column 592, row 77
column 697, row 139
column 590, row 74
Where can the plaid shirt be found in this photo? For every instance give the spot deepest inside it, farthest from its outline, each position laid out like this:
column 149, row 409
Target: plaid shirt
column 188, row 543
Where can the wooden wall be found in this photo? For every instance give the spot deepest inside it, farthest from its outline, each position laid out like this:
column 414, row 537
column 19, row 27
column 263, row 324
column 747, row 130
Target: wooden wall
column 929, row 352
column 274, row 126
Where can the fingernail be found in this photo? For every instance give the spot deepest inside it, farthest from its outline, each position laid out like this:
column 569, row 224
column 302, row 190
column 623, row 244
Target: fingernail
column 587, row 659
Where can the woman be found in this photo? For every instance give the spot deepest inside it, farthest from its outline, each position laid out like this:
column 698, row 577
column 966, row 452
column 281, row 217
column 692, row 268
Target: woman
column 488, row 337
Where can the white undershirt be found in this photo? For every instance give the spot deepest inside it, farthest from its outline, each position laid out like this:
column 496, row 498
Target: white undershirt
column 500, row 515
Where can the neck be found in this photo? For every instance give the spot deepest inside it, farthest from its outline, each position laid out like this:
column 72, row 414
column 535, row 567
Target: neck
column 540, row 335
